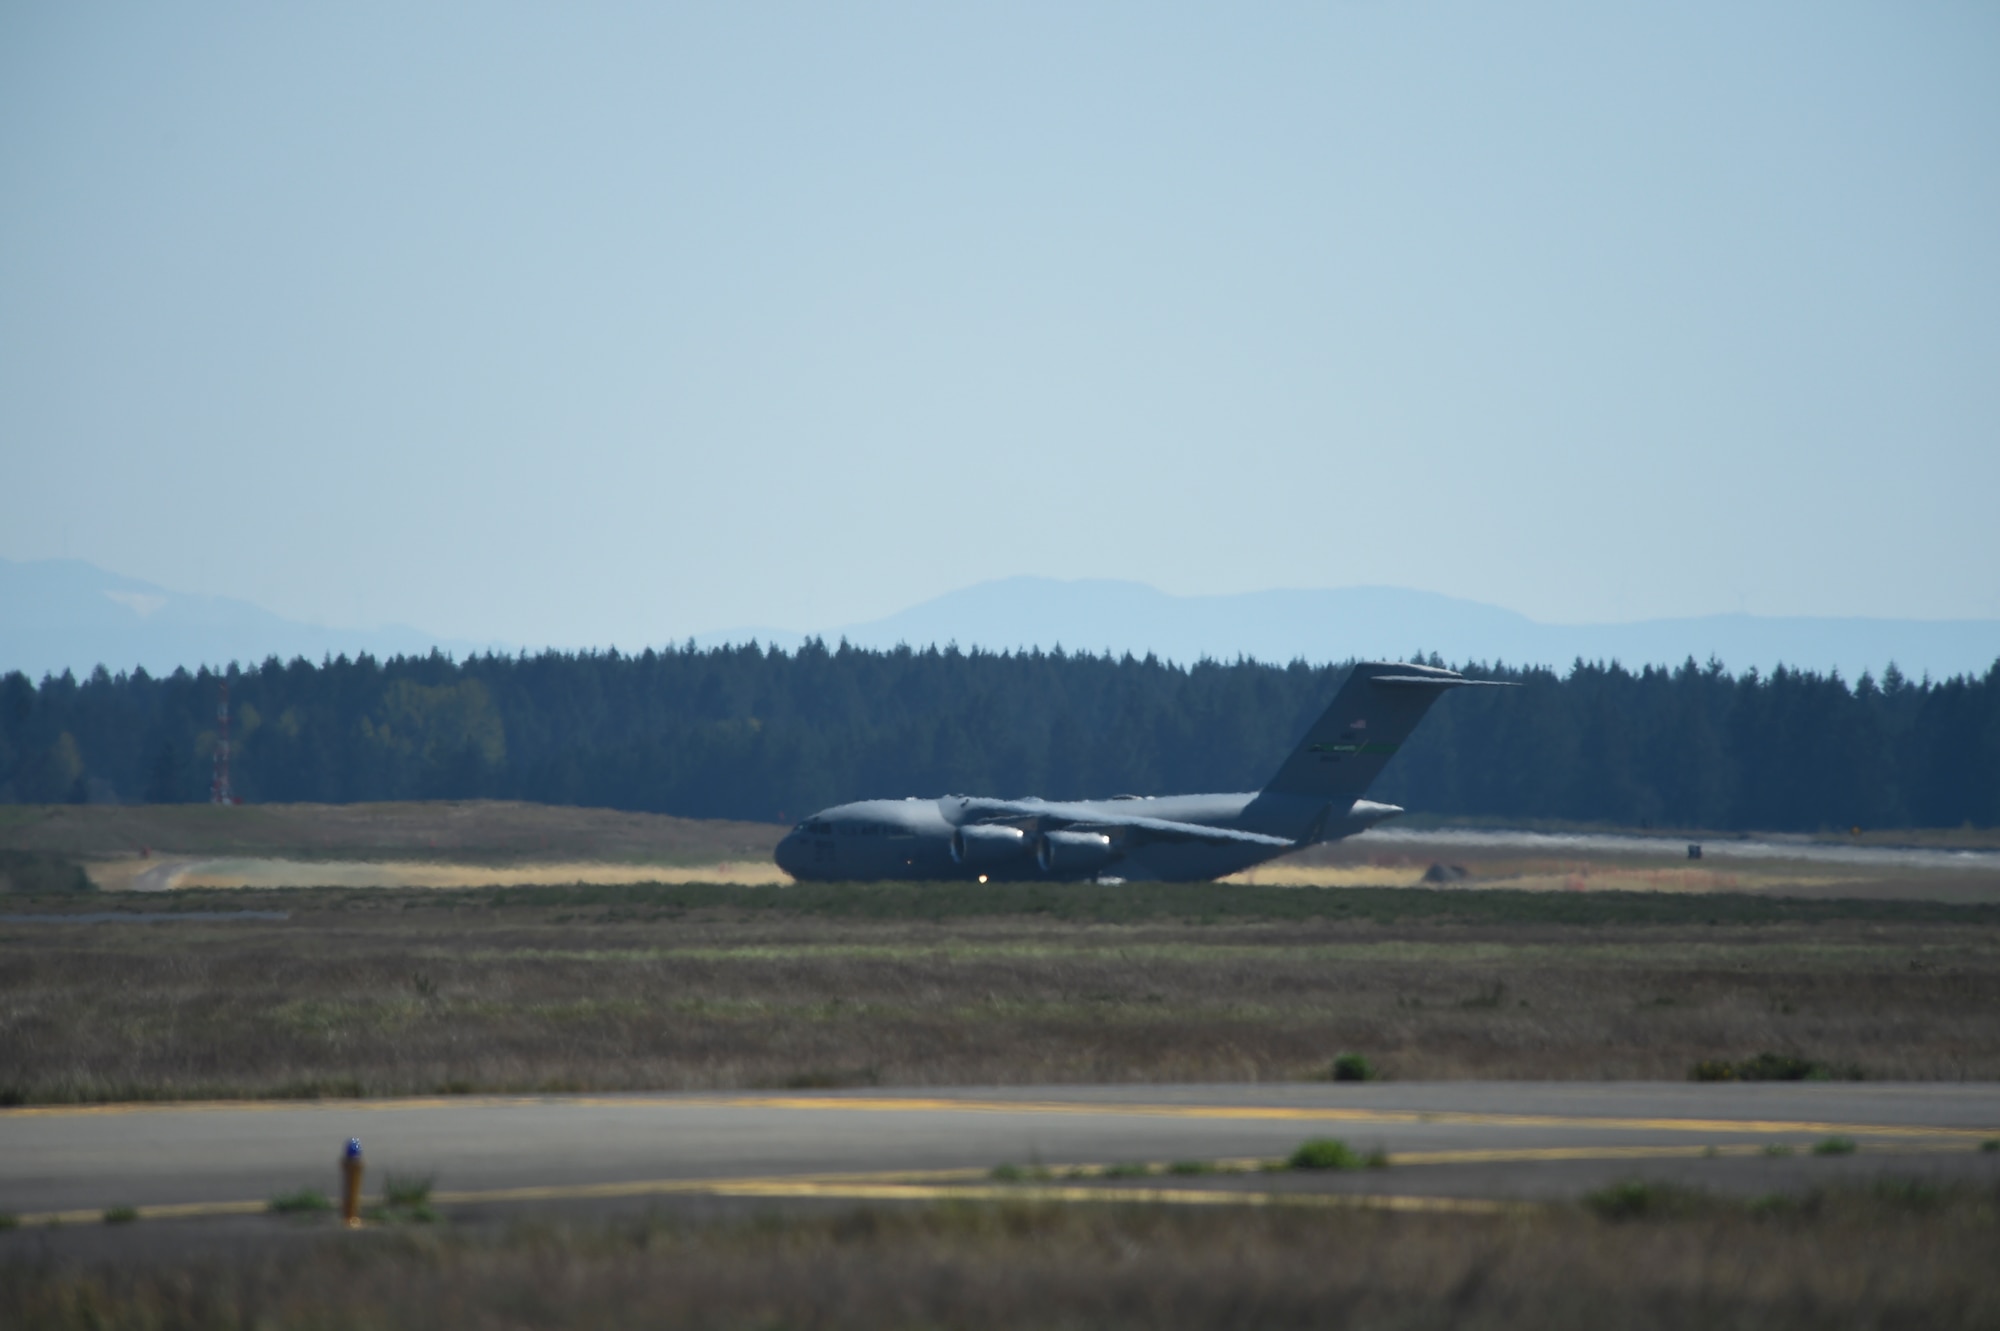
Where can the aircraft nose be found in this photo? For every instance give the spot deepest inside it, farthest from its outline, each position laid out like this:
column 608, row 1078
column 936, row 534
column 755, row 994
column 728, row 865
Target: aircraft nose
column 787, row 852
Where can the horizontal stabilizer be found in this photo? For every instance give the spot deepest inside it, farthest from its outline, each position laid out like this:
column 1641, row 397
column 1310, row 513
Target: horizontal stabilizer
column 1433, row 682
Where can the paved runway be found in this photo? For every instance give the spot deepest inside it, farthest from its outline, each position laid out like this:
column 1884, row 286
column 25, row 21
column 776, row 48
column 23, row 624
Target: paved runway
column 1445, row 1140
column 1886, row 859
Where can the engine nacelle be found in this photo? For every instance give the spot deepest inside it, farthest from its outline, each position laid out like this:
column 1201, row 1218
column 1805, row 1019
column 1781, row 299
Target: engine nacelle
column 1072, row 852
column 980, row 844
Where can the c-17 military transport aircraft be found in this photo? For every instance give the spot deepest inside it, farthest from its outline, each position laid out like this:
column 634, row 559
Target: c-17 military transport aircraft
column 1316, row 796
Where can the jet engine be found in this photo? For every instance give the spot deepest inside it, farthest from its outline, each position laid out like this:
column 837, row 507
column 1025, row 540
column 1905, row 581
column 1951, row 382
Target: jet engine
column 978, row 844
column 1072, row 852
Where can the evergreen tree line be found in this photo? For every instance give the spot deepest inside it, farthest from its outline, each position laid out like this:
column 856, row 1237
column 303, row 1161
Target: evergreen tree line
column 742, row 732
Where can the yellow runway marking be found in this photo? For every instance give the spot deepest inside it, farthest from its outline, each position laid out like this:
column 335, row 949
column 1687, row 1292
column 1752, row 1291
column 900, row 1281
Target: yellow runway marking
column 1302, row 1113
column 930, row 1185
column 967, row 1184
column 1532, row 1154
column 1172, row 1196
column 939, row 1104
column 170, row 1211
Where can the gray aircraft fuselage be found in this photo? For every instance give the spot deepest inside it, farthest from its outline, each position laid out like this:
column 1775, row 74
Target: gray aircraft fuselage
column 1316, row 796
column 912, row 838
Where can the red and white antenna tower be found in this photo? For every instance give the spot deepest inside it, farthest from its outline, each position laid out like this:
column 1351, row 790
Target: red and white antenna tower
column 218, row 787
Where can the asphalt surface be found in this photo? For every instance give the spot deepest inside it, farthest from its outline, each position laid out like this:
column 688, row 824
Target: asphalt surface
column 1884, row 859
column 1464, row 1140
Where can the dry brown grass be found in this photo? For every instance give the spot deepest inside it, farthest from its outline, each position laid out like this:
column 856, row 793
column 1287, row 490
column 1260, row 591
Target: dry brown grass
column 492, row 831
column 1861, row 1259
column 164, row 873
column 385, row 993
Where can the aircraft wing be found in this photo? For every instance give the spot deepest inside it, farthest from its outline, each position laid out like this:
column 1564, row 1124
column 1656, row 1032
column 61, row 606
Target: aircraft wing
column 959, row 810
column 1163, row 829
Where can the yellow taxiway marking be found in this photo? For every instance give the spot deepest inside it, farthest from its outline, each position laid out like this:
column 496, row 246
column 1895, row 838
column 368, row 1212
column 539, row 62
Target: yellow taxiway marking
column 930, row 1185
column 1172, row 1196
column 1309, row 1113
column 1532, row 1154
column 948, row 1105
column 170, row 1211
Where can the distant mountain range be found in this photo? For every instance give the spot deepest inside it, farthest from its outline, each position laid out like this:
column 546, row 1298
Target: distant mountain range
column 65, row 614
column 1391, row 622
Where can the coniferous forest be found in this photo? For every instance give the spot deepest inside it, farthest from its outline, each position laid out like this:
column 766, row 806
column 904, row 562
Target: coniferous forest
column 740, row 732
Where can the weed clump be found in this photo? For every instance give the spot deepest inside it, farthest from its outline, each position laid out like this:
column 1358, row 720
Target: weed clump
column 1353, row 1067
column 1907, row 1194
column 405, row 1197
column 1774, row 1067
column 1635, row 1199
column 120, row 1215
column 1324, row 1153
column 319, row 1088
column 832, row 1079
column 1835, row 1146
column 305, row 1201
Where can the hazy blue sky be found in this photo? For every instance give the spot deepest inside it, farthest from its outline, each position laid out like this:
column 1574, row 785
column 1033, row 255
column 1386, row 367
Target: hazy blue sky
column 588, row 324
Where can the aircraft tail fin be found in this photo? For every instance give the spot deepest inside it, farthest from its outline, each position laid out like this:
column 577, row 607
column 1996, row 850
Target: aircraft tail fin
column 1369, row 719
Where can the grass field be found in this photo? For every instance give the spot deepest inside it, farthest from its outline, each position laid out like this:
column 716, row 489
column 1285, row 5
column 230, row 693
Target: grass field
column 627, row 982
column 695, row 986
column 1636, row 1257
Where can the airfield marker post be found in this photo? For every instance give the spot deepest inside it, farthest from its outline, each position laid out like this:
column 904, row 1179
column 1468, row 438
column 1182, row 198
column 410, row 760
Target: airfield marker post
column 350, row 1179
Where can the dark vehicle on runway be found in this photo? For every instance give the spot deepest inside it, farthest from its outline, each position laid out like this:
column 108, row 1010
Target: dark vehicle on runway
column 1315, row 796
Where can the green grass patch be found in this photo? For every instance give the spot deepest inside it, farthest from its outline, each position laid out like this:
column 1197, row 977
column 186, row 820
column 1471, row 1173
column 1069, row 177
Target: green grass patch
column 1353, row 1067
column 1835, row 1146
column 120, row 1215
column 1191, row 1167
column 831, row 1079
column 1636, row 1199
column 1907, row 1194
column 305, row 1201
column 1775, row 1067
column 1324, row 1153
